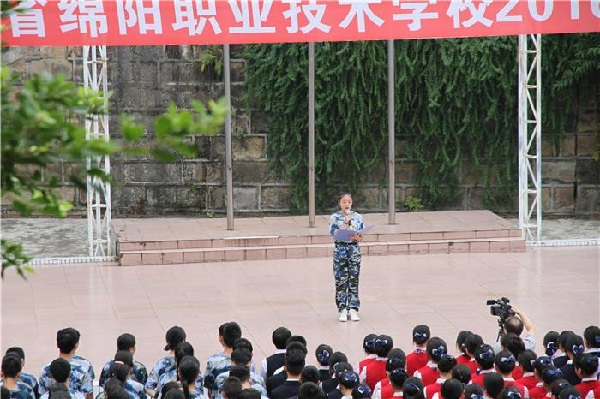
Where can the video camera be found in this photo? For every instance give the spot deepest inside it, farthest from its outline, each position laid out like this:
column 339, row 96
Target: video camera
column 501, row 309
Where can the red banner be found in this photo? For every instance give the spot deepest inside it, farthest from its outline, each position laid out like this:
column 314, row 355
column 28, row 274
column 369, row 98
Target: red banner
column 155, row 22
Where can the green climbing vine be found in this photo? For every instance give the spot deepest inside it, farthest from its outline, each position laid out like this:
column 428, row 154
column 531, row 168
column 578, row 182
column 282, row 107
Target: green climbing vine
column 456, row 106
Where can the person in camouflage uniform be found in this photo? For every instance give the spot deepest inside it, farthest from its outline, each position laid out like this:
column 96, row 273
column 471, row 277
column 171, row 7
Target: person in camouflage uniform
column 188, row 369
column 26, row 378
column 346, row 258
column 82, row 375
column 126, row 342
column 183, row 349
column 135, row 389
column 11, row 369
column 241, row 357
column 60, row 369
column 167, row 364
column 221, row 362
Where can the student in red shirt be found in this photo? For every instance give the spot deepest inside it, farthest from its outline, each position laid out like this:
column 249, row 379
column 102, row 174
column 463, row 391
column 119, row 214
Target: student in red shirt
column 540, row 364
column 463, row 356
column 586, row 365
column 473, row 342
column 397, row 379
column 515, row 345
column 527, row 360
column 504, row 363
column 418, row 358
column 375, row 371
column 452, row 389
column 462, row 373
column 436, row 347
column 413, row 388
column 493, row 384
column 484, row 356
column 396, row 359
column 445, row 366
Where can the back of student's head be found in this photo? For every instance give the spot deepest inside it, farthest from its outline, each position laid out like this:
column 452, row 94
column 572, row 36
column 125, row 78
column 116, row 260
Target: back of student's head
column 112, row 387
column 446, row 363
column 575, row 344
column 231, row 332
column 183, row 349
column 341, row 367
column 16, row 350
column 231, row 388
column 60, row 369
column 125, row 342
column 558, row 386
column 569, row 392
column 421, row 334
column 527, row 360
column 541, row 363
column 413, row 388
column 67, row 340
column 493, row 383
column 562, row 338
column 58, row 391
column 484, row 356
column 513, row 343
column 243, row 343
column 397, row 378
column 249, row 393
column 472, row 342
column 452, row 389
column 125, row 357
column 241, row 357
column 174, row 394
column 347, row 379
column 383, row 344
column 295, row 345
column 551, row 374
column 337, row 357
column 173, row 336
column 296, row 338
column 119, row 371
column 513, row 325
column 11, row 366
column 505, row 362
column 592, row 336
column 171, row 385
column 393, row 363
column 188, row 369
column 511, row 392
column 310, row 390
column 369, row 343
column 294, row 362
column 436, row 347
column 280, row 337
column 362, row 391
column 310, row 374
column 399, row 355
column 462, row 372
column 323, row 353
column 242, row 373
column 587, row 363
column 551, row 342
column 473, row 391
column 460, row 340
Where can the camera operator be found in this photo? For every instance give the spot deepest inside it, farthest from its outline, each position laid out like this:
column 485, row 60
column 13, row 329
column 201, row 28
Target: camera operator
column 516, row 324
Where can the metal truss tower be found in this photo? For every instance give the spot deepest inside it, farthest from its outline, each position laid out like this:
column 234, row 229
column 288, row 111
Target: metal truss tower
column 95, row 76
column 530, row 137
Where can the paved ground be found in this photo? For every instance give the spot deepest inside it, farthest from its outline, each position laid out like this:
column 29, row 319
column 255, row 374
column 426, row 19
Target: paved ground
column 48, row 238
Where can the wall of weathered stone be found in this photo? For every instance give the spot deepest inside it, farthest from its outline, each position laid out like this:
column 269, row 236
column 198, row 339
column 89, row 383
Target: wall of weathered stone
column 144, row 80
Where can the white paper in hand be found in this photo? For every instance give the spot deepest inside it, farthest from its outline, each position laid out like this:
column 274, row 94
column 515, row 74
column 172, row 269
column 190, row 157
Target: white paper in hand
column 344, row 235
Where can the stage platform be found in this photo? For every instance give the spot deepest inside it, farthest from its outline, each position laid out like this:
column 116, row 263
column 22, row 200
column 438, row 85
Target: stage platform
column 197, row 240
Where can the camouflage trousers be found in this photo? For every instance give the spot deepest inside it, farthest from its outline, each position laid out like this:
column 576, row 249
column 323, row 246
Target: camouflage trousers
column 346, row 270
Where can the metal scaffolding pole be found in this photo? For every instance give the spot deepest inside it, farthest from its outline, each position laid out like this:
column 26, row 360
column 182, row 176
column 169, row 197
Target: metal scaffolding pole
column 311, row 134
column 390, row 125
column 530, row 136
column 99, row 209
column 228, row 146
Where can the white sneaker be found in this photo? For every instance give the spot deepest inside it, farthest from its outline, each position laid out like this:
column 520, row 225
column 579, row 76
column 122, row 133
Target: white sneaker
column 343, row 315
column 354, row 315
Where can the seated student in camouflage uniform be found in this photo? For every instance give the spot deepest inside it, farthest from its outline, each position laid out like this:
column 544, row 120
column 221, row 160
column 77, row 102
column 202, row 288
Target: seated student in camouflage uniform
column 82, row 376
column 135, row 389
column 11, row 370
column 243, row 374
column 27, row 378
column 241, row 357
column 126, row 342
column 173, row 336
column 60, row 370
column 188, row 370
column 183, row 349
column 221, row 361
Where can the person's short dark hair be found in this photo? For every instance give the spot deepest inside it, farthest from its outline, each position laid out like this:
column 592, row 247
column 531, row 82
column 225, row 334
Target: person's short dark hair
column 541, row 363
column 383, row 344
column 575, row 344
column 399, row 355
column 484, row 356
column 173, row 336
column 296, row 338
column 294, row 363
column 513, row 343
column 558, row 386
column 362, row 391
column 569, row 393
column 341, row 367
column 446, row 363
column 280, row 337
column 527, row 360
column 240, row 372
column 562, row 338
column 551, row 374
column 337, row 357
column 174, row 394
column 462, row 372
column 11, row 366
column 231, row 388
column 461, row 339
column 393, row 363
column 125, row 357
column 113, row 388
column 295, row 346
column 119, row 371
column 473, row 391
column 58, row 391
column 513, row 325
column 67, row 340
column 398, row 377
column 221, row 329
column 323, row 353
column 188, row 369
column 243, row 343
column 241, row 356
column 125, row 342
column 60, row 370
column 369, row 343
column 183, row 349
column 551, row 342
column 413, row 388
column 171, row 385
column 420, row 334
column 493, row 383
column 592, row 336
column 310, row 374
column 17, row 351
column 309, row 390
column 587, row 363
column 472, row 342
column 436, row 347
column 348, row 379
column 511, row 392
column 249, row 393
column 505, row 362
column 452, row 389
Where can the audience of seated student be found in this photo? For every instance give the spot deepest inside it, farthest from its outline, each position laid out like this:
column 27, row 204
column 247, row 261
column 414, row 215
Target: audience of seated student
column 82, row 375
column 413, row 388
column 473, row 391
column 173, row 336
column 462, row 372
column 375, row 371
column 310, row 374
column 418, row 357
column 484, row 357
column 527, row 360
column 24, row 377
column 323, row 353
column 188, row 370
column 452, row 389
column 445, row 366
column 348, row 381
column 126, row 342
column 505, row 363
column 397, row 379
column 591, row 339
column 550, row 375
column 396, row 359
column 515, row 345
column 436, row 347
column 472, row 342
column 370, row 355
column 11, row 371
column 339, row 369
column 242, row 373
column 309, row 390
column 331, row 383
column 586, row 366
column 134, row 388
column 541, row 363
column 276, row 359
column 295, row 344
column 574, row 346
column 559, row 386
column 181, row 350
column 221, row 361
column 560, row 358
column 241, row 356
column 463, row 357
column 232, row 387
column 551, row 343
column 294, row 363
column 493, row 384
